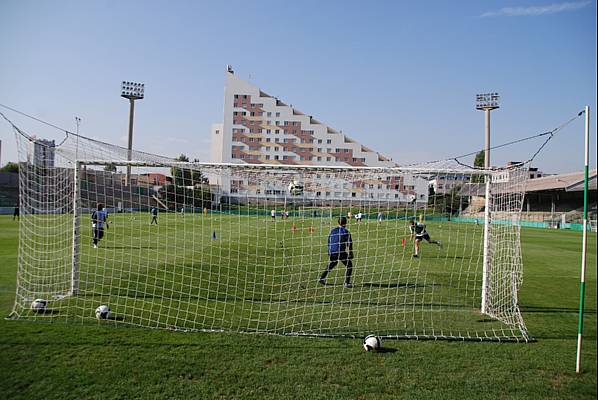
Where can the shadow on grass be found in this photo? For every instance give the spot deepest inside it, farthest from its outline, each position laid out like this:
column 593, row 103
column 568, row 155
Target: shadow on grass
column 115, row 318
column 537, row 309
column 47, row 311
column 386, row 350
column 126, row 247
column 392, row 285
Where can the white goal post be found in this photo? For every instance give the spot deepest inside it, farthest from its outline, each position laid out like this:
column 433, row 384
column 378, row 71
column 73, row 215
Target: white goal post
column 230, row 247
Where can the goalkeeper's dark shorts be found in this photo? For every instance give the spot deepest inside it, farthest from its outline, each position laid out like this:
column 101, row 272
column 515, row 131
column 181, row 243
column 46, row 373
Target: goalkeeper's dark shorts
column 425, row 236
column 342, row 257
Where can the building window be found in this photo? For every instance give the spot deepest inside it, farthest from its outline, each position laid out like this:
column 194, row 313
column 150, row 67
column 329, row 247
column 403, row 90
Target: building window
column 328, row 141
column 278, row 114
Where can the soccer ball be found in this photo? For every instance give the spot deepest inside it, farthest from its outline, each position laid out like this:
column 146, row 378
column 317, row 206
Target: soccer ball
column 372, row 343
column 39, row 305
column 103, row 312
column 295, row 188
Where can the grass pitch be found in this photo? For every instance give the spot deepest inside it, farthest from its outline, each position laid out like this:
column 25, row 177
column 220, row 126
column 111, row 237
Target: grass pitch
column 94, row 361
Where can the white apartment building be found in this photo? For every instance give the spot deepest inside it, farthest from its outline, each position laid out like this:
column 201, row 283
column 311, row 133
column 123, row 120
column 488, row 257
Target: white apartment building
column 260, row 129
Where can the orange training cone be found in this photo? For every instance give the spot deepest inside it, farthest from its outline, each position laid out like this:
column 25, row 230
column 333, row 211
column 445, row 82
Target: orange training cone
column 403, row 242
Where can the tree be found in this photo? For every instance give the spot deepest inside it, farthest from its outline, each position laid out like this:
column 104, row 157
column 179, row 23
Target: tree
column 431, row 194
column 10, row 167
column 479, row 162
column 110, row 167
column 186, row 176
column 173, row 196
column 451, row 203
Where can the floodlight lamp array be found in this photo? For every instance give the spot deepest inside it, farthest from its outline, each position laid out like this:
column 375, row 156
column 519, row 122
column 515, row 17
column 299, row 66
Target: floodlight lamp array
column 132, row 90
column 487, row 101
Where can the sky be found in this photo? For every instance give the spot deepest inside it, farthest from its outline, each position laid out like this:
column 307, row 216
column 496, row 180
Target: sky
column 398, row 76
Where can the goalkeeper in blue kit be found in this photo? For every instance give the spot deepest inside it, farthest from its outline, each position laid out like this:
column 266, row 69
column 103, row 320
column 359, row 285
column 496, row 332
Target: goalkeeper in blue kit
column 340, row 248
column 98, row 220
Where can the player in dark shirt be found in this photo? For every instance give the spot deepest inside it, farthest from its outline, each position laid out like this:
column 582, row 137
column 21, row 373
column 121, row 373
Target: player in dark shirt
column 340, row 248
column 418, row 232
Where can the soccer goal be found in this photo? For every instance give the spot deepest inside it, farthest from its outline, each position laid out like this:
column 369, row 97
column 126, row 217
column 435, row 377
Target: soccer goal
column 213, row 247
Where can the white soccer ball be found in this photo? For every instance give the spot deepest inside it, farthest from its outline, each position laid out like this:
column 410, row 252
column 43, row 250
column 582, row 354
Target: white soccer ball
column 103, row 312
column 295, row 188
column 372, row 343
column 39, row 305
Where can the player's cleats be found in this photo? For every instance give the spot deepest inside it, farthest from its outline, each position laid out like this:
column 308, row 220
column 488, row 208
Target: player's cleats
column 415, row 255
column 95, row 246
column 322, row 281
column 347, row 286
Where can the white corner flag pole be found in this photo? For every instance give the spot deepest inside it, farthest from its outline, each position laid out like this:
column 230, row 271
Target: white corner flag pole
column 582, row 285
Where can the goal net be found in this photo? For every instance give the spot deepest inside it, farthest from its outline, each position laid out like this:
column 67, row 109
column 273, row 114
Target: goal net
column 244, row 248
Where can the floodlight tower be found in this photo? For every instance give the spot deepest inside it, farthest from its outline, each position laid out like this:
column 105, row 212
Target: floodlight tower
column 132, row 91
column 487, row 102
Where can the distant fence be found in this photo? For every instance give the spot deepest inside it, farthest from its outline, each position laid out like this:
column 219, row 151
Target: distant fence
column 265, row 213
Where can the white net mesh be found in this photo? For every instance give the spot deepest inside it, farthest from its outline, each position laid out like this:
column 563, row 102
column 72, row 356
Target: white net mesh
column 191, row 246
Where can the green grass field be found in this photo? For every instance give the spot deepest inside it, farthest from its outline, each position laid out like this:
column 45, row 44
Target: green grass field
column 91, row 360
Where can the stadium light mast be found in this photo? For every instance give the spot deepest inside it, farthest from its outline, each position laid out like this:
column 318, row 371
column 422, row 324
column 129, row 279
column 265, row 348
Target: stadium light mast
column 132, row 91
column 486, row 102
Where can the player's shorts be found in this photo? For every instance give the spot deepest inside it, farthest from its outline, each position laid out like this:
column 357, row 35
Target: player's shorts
column 98, row 233
column 425, row 236
column 342, row 257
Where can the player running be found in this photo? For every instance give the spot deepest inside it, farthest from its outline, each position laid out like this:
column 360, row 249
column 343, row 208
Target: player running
column 98, row 218
column 418, row 231
column 340, row 248
column 154, row 212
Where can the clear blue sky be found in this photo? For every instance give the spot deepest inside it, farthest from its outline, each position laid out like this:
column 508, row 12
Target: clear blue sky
column 399, row 76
